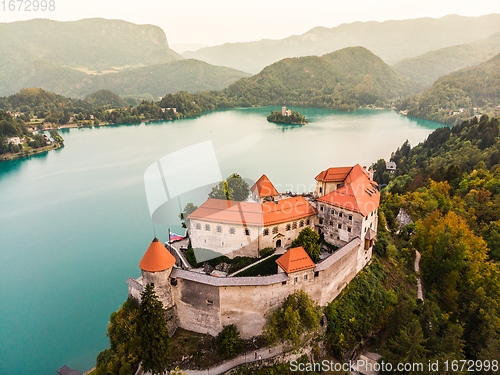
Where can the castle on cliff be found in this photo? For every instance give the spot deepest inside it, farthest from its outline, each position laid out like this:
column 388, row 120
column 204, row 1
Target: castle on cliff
column 344, row 208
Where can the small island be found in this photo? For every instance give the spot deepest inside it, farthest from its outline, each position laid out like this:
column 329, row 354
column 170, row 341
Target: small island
column 286, row 116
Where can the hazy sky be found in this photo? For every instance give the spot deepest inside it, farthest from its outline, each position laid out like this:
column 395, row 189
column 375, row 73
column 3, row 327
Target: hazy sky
column 214, row 22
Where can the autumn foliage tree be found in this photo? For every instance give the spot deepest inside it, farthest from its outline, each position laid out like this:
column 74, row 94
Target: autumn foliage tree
column 458, row 274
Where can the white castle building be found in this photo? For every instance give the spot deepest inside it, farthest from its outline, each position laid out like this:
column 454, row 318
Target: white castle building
column 344, row 208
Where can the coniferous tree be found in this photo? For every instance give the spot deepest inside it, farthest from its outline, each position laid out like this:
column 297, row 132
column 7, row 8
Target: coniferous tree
column 154, row 333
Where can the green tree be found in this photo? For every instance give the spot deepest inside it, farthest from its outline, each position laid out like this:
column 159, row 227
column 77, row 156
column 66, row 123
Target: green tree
column 309, row 240
column 234, row 188
column 219, row 191
column 155, row 341
column 408, row 346
column 297, row 314
column 229, row 343
column 188, row 210
column 237, row 187
column 124, row 354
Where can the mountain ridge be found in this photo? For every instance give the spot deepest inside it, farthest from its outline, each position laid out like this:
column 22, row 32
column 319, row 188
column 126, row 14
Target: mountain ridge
column 392, row 40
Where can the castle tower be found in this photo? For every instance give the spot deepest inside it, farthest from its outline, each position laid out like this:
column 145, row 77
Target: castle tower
column 263, row 190
column 156, row 266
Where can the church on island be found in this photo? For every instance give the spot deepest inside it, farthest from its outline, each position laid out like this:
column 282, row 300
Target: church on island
column 344, row 208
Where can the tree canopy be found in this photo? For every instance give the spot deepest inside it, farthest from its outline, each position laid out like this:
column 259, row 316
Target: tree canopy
column 298, row 314
column 229, row 343
column 234, row 188
column 309, row 240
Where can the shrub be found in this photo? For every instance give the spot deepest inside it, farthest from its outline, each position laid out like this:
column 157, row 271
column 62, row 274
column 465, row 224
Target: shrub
column 229, row 343
column 297, row 314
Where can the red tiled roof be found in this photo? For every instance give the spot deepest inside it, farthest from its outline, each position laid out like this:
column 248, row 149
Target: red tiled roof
column 157, row 258
column 335, row 174
column 294, row 260
column 256, row 214
column 359, row 193
column 263, row 187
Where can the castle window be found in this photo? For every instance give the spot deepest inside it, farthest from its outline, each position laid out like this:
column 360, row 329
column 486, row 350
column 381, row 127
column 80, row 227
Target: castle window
column 348, row 229
column 320, row 220
column 321, row 208
column 350, row 217
column 316, row 273
column 295, row 279
column 331, row 223
column 340, row 214
column 332, row 211
column 219, row 229
column 294, row 225
column 288, row 226
column 320, row 190
column 231, row 230
column 340, row 226
column 207, row 227
column 209, row 302
column 275, row 230
column 247, row 232
column 308, row 222
column 266, row 231
column 305, row 277
column 301, row 224
column 153, row 284
column 283, row 283
column 173, row 282
column 198, row 226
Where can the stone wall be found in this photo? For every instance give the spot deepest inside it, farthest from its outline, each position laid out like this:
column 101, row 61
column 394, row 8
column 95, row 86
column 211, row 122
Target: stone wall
column 339, row 226
column 205, row 303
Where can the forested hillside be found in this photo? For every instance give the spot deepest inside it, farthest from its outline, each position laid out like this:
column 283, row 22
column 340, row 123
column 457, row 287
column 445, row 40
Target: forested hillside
column 95, row 44
column 459, row 95
column 80, row 57
column 450, row 185
column 341, row 80
column 150, row 82
column 427, row 68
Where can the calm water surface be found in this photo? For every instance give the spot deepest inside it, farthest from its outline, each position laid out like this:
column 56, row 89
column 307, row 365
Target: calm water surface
column 74, row 223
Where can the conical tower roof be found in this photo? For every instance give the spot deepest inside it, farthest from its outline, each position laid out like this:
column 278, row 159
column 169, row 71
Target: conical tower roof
column 157, row 258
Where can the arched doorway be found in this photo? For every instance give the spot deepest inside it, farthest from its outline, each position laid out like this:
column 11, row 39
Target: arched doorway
column 278, row 243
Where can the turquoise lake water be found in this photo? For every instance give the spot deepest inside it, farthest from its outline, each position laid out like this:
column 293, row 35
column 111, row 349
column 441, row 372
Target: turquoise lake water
column 74, row 223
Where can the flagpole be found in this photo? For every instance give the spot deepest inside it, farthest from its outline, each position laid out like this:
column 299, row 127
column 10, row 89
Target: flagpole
column 170, row 243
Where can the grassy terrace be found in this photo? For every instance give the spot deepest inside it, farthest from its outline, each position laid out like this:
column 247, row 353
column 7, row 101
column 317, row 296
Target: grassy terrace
column 265, row 268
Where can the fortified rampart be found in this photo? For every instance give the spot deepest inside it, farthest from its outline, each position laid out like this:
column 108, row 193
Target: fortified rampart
column 205, row 303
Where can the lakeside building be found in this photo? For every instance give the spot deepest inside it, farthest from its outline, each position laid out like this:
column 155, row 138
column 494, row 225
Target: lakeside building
column 14, row 140
column 344, row 208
